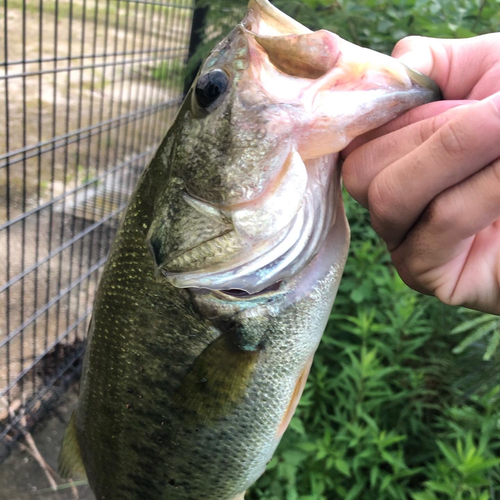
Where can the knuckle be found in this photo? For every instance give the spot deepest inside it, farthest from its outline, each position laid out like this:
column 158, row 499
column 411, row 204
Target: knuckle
column 440, row 213
column 381, row 202
column 443, row 212
column 496, row 170
column 411, row 265
column 416, row 269
column 451, row 292
column 449, row 297
column 432, row 125
column 403, row 265
column 427, row 129
column 453, row 139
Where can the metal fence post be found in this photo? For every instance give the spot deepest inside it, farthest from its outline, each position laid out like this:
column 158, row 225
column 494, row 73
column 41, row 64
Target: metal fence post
column 197, row 32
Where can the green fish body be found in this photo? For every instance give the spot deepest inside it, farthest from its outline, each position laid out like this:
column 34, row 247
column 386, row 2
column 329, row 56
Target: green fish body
column 225, row 268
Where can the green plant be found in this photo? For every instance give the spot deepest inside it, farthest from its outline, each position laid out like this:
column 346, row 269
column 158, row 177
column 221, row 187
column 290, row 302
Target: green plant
column 377, row 24
column 168, row 71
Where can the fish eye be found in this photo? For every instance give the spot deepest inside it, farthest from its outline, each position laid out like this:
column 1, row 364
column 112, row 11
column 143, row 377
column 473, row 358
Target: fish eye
column 210, row 87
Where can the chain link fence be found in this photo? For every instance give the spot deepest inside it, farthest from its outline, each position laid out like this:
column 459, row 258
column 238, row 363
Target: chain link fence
column 87, row 90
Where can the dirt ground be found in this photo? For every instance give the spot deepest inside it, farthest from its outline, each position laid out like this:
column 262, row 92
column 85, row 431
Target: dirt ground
column 21, row 476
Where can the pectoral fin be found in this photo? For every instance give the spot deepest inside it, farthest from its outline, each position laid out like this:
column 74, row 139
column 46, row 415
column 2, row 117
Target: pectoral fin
column 70, row 458
column 216, row 382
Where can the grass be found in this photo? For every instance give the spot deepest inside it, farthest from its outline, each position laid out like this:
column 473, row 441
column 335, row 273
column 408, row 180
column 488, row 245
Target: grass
column 170, row 73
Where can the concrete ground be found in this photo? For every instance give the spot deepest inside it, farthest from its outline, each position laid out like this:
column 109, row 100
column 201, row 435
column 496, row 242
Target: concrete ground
column 21, row 476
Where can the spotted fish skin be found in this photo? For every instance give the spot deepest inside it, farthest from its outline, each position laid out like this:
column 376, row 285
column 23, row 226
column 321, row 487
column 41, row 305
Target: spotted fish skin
column 226, row 264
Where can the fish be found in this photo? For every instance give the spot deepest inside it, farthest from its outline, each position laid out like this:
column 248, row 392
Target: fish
column 225, row 267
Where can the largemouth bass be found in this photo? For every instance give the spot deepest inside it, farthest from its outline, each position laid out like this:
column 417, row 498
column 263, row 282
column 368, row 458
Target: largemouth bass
column 225, row 268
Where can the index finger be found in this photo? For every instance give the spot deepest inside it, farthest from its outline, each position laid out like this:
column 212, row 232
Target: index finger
column 412, row 116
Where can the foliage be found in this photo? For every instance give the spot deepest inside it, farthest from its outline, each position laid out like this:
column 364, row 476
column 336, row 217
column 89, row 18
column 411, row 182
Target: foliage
column 403, row 401
column 377, row 24
column 166, row 71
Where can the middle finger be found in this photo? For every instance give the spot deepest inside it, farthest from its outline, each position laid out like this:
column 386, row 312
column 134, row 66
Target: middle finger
column 386, row 145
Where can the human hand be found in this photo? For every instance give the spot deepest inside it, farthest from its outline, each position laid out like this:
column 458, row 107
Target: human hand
column 431, row 178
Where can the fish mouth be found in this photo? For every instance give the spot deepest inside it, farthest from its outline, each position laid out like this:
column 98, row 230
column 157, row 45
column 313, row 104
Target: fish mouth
column 243, row 295
column 333, row 91
column 298, row 51
column 308, row 192
column 324, row 267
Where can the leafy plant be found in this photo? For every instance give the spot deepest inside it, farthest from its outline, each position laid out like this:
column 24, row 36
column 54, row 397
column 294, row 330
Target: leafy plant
column 168, row 71
column 377, row 24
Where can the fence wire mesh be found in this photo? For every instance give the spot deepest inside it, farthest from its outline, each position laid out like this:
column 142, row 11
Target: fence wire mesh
column 87, row 90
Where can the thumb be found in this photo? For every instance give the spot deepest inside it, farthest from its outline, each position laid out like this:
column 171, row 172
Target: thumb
column 421, row 53
column 455, row 65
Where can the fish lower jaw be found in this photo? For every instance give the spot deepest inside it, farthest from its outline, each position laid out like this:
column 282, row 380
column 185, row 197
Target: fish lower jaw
column 290, row 252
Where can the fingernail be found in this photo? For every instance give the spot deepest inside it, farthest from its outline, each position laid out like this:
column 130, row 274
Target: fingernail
column 495, row 100
column 417, row 60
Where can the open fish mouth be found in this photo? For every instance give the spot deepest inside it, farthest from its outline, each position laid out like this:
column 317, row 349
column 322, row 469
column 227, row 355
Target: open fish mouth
column 306, row 198
column 315, row 92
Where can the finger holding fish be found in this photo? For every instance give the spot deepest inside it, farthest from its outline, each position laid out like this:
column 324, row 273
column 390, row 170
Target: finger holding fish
column 466, row 68
column 457, row 147
column 409, row 118
column 370, row 154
